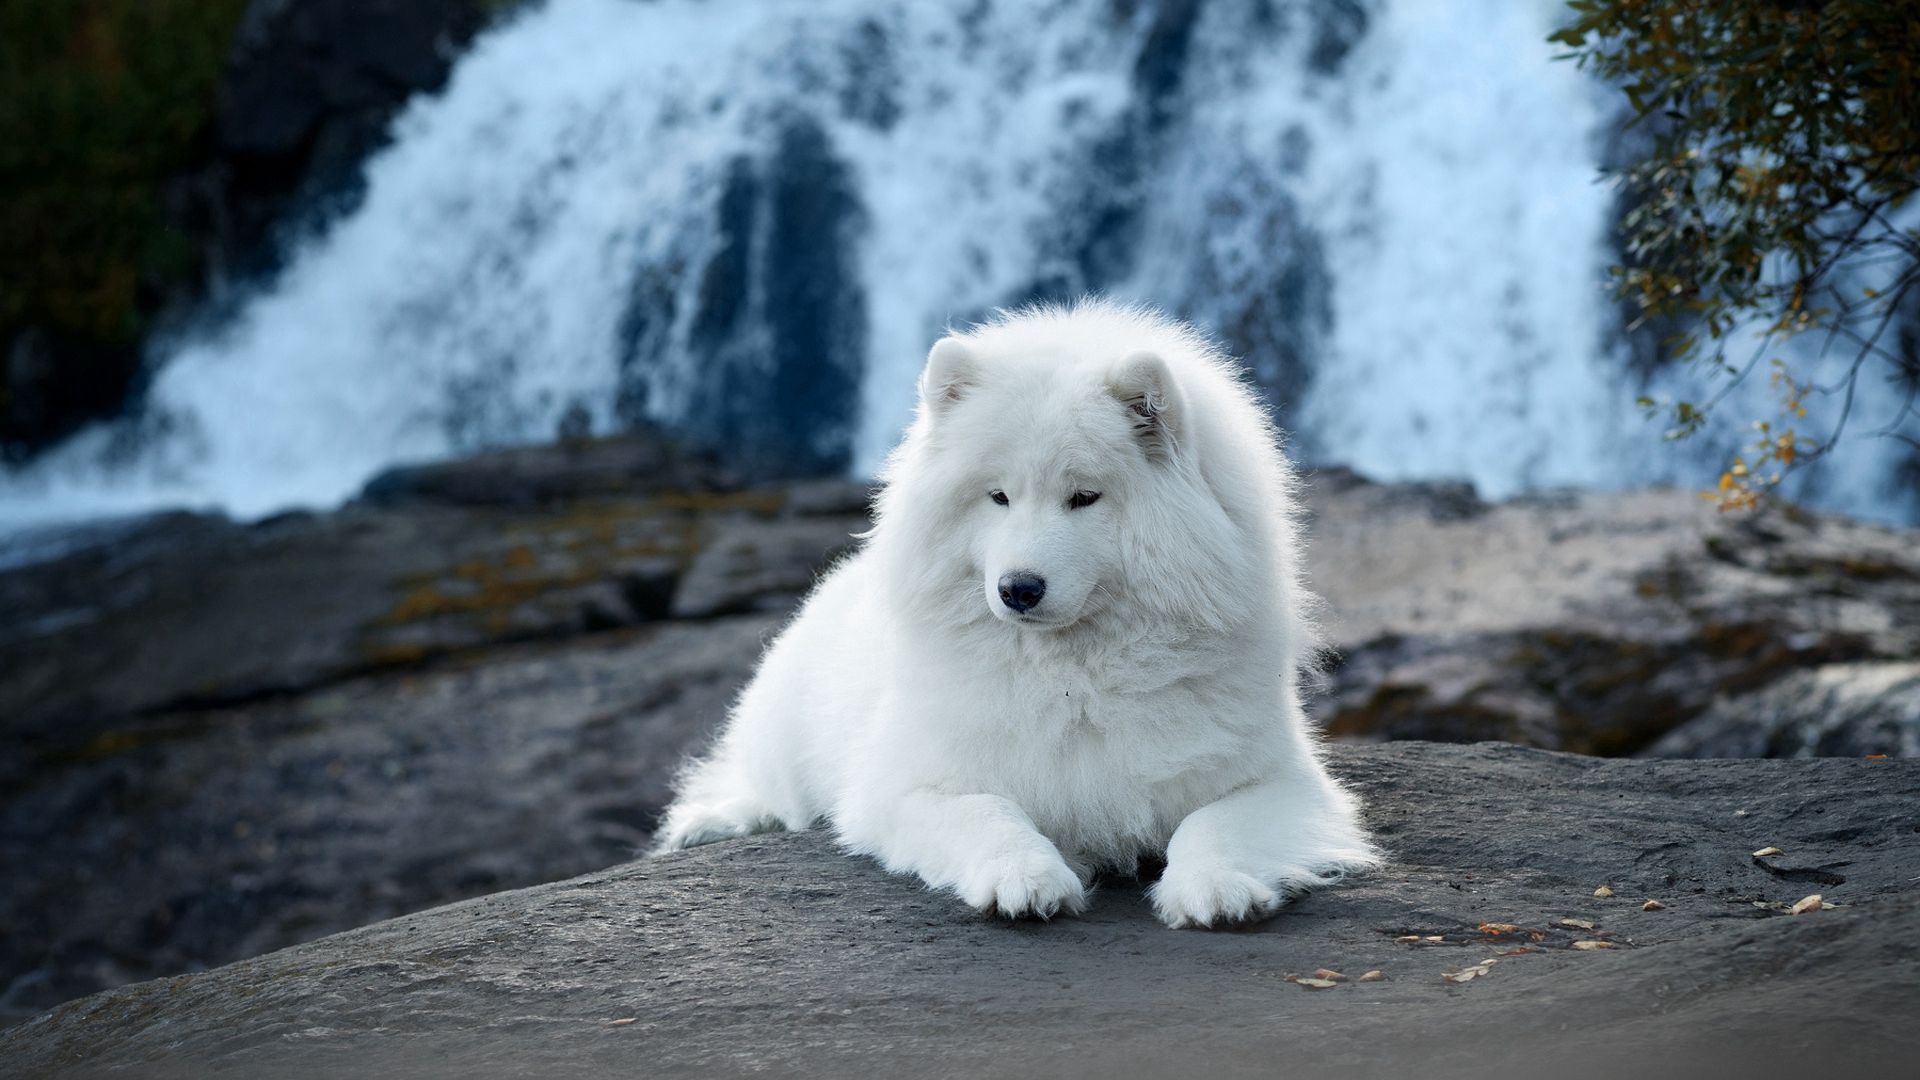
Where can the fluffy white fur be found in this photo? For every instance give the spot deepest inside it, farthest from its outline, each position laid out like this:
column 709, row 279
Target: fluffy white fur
column 1149, row 704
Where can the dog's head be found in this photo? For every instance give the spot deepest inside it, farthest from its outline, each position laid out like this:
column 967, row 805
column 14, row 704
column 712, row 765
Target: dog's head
column 1052, row 475
column 1046, row 462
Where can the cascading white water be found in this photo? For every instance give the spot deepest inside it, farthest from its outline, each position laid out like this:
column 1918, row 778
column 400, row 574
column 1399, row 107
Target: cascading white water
column 750, row 219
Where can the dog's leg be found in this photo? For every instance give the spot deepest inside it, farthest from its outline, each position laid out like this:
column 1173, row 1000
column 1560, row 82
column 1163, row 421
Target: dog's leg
column 716, row 802
column 983, row 847
column 1243, row 856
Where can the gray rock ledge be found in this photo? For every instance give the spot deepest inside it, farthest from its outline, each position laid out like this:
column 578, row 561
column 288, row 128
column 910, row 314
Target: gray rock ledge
column 778, row 955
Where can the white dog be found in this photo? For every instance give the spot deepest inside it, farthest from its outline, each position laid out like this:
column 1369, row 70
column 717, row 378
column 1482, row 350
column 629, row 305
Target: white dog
column 1074, row 637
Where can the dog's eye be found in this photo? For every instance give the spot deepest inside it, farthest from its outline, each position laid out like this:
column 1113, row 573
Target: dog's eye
column 1083, row 498
column 998, row 496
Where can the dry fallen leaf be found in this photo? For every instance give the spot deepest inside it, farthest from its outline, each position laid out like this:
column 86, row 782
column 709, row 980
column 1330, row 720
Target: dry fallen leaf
column 1328, row 973
column 1806, row 904
column 1876, row 757
column 1582, row 924
column 1603, row 892
column 1371, row 976
column 1589, row 945
column 1434, row 937
column 1500, row 928
column 1517, row 952
column 1653, row 905
column 623, row 1023
column 1767, row 852
column 1468, row 974
column 1311, row 984
column 1407, row 938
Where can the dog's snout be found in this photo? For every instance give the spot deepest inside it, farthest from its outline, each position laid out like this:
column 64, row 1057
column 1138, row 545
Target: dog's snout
column 1021, row 591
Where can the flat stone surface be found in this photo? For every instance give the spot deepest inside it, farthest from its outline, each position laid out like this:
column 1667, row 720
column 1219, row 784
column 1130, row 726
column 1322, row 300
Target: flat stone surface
column 188, row 840
column 777, row 954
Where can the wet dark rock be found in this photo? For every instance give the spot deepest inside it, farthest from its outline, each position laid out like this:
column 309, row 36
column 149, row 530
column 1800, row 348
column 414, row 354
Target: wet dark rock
column 181, row 840
column 1589, row 622
column 871, row 91
column 636, row 463
column 226, row 738
column 1276, row 311
column 512, row 545
column 310, row 89
column 1338, row 26
column 52, row 383
column 1839, row 710
column 779, row 334
column 777, row 954
column 760, row 564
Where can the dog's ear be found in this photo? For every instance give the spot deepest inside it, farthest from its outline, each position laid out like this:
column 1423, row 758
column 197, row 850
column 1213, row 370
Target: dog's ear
column 951, row 373
column 1144, row 384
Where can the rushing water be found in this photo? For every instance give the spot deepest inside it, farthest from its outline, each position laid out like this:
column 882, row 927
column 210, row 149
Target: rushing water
column 749, row 219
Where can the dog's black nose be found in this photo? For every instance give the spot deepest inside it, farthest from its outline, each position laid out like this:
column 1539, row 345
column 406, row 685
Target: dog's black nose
column 1022, row 592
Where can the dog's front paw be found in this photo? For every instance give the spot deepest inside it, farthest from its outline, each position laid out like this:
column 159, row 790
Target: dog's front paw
column 1211, row 895
column 1035, row 882
column 693, row 824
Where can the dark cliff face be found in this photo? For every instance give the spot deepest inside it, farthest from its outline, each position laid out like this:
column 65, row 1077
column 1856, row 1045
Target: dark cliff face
column 307, row 91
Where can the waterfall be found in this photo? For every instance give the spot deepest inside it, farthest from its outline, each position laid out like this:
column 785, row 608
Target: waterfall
column 749, row 220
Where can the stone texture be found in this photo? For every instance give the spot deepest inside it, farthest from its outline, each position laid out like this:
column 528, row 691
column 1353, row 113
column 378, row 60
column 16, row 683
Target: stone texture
column 309, row 90
column 224, row 739
column 1841, row 710
column 642, row 462
column 513, row 545
column 776, row 954
column 753, row 563
column 1593, row 622
column 189, row 839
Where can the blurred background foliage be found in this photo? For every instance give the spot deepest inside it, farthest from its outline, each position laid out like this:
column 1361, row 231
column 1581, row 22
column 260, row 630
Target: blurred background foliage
column 1788, row 143
column 100, row 102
